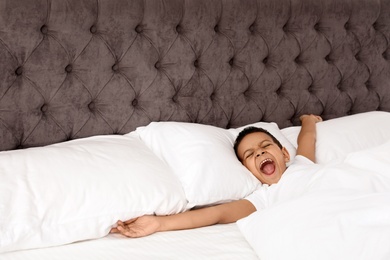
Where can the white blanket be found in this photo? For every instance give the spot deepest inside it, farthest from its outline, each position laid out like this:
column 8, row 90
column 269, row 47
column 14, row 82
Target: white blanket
column 343, row 214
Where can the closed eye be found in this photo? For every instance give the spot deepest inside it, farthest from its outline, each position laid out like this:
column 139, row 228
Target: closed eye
column 266, row 145
column 248, row 155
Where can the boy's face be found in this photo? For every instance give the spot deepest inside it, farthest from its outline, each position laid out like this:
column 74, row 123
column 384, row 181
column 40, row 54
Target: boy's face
column 263, row 157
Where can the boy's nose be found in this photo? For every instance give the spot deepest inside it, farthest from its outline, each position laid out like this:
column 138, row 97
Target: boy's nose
column 260, row 153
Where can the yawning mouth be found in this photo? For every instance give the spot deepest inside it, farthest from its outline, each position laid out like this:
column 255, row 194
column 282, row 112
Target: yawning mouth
column 267, row 167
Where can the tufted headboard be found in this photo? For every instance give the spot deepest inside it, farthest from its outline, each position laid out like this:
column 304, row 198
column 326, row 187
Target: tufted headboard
column 76, row 68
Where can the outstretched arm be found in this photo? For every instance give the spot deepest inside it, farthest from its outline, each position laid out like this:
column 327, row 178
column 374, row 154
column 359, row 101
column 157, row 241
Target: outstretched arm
column 307, row 136
column 223, row 213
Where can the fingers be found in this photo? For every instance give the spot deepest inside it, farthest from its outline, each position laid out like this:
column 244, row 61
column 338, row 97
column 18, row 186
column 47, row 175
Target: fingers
column 130, row 220
column 114, row 230
column 316, row 118
column 124, row 229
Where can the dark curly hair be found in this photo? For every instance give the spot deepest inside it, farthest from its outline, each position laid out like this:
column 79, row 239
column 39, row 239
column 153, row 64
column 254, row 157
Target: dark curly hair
column 249, row 130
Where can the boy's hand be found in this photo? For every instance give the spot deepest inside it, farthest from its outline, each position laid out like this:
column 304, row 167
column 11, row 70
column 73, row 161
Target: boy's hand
column 307, row 136
column 137, row 227
column 311, row 117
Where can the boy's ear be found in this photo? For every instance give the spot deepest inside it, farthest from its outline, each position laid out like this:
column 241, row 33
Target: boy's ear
column 286, row 154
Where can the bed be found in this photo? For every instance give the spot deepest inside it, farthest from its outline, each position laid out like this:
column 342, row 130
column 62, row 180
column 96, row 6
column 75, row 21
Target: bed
column 116, row 109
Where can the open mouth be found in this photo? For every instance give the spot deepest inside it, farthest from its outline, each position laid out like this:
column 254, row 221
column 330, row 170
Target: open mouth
column 267, row 167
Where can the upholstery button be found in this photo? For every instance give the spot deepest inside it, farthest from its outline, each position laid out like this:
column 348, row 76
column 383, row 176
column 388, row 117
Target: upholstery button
column 175, row 98
column 384, row 55
column 347, row 26
column 297, row 59
column 327, row 58
column 212, row 96
column 317, row 26
column 179, row 29
column 138, row 29
column 265, row 60
column 284, row 28
column 216, row 28
column 44, row 108
column 134, row 103
column 91, row 106
column 93, row 29
column 357, row 56
column 252, row 28
column 19, row 71
column 157, row 65
column 69, row 68
column 115, row 67
column 44, row 29
column 196, row 63
column 231, row 61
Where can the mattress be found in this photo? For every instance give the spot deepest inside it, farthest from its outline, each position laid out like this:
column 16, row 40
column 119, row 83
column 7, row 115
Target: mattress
column 213, row 242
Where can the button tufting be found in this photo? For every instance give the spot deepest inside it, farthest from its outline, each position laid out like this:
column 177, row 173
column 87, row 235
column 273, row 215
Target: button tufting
column 134, row 103
column 265, row 60
column 157, row 65
column 44, row 29
column 212, row 96
column 347, row 26
column 93, row 29
column 69, row 68
column 115, row 67
column 175, row 98
column 216, row 28
column 327, row 58
column 179, row 29
column 357, row 56
column 138, row 29
column 252, row 28
column 368, row 84
column 297, row 59
column 196, row 63
column 44, row 108
column 231, row 61
column 384, row 55
column 91, row 106
column 19, row 71
column 317, row 26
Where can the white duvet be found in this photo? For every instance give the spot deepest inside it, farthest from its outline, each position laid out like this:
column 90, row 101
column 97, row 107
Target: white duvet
column 342, row 213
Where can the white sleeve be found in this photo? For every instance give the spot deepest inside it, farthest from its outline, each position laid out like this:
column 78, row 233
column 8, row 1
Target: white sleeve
column 259, row 198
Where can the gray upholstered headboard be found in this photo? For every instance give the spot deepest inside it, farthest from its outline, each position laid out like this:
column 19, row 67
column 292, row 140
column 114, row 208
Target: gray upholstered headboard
column 77, row 68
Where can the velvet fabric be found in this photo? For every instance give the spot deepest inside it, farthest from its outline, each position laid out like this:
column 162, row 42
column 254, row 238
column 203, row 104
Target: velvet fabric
column 76, row 68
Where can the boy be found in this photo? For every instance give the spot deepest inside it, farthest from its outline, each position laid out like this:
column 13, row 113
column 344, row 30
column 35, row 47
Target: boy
column 258, row 151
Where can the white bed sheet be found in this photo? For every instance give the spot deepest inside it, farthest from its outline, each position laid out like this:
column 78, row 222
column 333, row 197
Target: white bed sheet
column 340, row 211
column 213, row 242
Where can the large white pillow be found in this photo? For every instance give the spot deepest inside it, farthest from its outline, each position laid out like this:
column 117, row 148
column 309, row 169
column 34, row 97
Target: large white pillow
column 77, row 190
column 203, row 158
column 338, row 137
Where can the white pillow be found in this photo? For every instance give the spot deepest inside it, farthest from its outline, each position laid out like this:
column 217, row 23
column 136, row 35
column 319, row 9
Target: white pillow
column 203, row 158
column 78, row 189
column 338, row 137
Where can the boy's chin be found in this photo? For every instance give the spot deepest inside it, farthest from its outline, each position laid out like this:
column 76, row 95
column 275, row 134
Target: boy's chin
column 270, row 179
